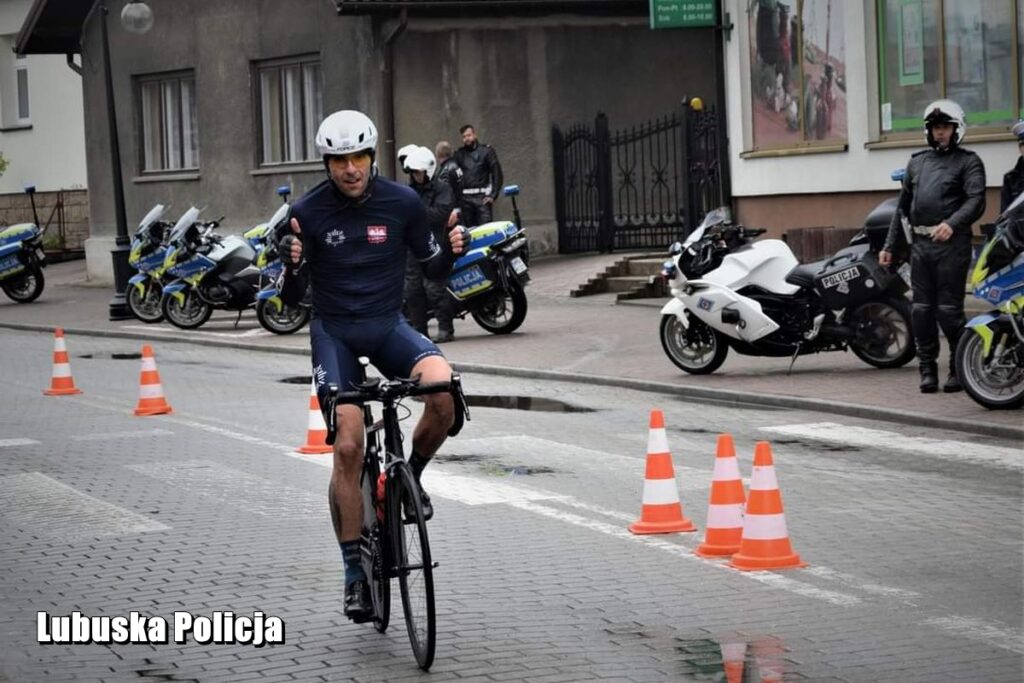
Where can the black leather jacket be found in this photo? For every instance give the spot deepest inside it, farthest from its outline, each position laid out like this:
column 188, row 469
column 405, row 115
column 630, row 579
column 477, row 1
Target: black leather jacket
column 1013, row 185
column 436, row 196
column 480, row 168
column 450, row 173
column 941, row 187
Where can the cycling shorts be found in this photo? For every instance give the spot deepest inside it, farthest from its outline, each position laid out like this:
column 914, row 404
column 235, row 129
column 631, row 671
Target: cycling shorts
column 391, row 344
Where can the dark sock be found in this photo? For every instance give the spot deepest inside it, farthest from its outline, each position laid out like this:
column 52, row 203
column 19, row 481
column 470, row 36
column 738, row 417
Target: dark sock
column 416, row 463
column 352, row 557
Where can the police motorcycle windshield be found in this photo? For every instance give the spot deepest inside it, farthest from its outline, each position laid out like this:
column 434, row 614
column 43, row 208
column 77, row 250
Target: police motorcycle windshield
column 713, row 218
column 186, row 220
column 155, row 214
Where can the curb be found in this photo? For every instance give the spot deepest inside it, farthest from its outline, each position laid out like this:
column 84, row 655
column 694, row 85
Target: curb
column 727, row 396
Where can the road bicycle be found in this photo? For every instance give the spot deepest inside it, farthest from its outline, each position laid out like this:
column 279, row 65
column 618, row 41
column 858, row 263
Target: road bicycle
column 394, row 535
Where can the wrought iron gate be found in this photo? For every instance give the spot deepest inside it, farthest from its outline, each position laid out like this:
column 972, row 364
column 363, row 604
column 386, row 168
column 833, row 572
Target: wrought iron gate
column 640, row 187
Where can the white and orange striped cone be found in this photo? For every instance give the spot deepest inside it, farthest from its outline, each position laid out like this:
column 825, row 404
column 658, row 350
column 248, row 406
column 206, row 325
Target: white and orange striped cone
column 765, row 543
column 151, row 392
column 661, row 511
column 733, row 658
column 316, row 434
column 61, row 381
column 768, row 654
column 725, row 507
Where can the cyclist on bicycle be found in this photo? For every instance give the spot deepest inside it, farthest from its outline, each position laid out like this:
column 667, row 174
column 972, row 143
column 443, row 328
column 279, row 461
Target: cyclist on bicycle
column 350, row 237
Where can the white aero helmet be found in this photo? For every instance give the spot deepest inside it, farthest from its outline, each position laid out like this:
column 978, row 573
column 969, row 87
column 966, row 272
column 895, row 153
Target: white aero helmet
column 421, row 159
column 945, row 111
column 345, row 132
column 403, row 153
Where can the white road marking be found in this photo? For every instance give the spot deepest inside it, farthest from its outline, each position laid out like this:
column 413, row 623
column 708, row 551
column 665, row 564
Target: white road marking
column 243, row 334
column 1012, row 458
column 144, row 433
column 977, row 629
column 34, row 503
column 857, row 582
column 17, row 442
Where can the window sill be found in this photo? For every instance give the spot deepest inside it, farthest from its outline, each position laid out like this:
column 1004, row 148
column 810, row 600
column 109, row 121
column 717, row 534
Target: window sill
column 165, row 177
column 281, row 169
column 794, row 151
column 16, row 127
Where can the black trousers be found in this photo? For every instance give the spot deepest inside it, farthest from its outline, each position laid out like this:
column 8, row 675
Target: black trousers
column 422, row 295
column 474, row 211
column 938, row 274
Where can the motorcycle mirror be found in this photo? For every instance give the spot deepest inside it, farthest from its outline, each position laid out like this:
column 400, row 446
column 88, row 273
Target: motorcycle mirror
column 675, row 249
column 30, row 189
column 284, row 191
column 510, row 190
column 898, row 174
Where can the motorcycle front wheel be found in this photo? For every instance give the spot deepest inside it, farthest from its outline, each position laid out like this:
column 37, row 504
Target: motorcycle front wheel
column 26, row 287
column 503, row 314
column 697, row 349
column 883, row 334
column 287, row 320
column 188, row 316
column 146, row 307
column 995, row 383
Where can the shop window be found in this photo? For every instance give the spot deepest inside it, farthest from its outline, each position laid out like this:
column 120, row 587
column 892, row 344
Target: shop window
column 167, row 114
column 797, row 74
column 963, row 50
column 289, row 100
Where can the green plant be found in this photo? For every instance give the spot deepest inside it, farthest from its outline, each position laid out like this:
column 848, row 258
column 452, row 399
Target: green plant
column 3, row 163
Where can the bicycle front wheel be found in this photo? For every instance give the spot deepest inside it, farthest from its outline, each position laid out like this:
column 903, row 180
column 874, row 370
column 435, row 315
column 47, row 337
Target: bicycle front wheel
column 413, row 566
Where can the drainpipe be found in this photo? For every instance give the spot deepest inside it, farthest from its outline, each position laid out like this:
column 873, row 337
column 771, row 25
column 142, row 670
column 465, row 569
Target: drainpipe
column 71, row 64
column 388, row 113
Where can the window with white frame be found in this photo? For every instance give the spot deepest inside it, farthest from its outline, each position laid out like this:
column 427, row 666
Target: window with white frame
column 290, row 104
column 169, row 134
column 964, row 50
column 21, row 84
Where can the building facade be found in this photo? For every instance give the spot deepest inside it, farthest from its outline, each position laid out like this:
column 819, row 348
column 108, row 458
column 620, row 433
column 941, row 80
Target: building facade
column 826, row 97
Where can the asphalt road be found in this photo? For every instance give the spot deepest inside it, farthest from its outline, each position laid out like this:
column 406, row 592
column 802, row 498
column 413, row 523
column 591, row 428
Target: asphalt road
column 912, row 535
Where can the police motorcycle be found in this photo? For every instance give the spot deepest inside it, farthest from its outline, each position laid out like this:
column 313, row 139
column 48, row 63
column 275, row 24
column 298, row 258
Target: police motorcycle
column 275, row 315
column 990, row 354
column 760, row 301
column 488, row 280
column 211, row 271
column 148, row 250
column 22, row 258
column 716, row 236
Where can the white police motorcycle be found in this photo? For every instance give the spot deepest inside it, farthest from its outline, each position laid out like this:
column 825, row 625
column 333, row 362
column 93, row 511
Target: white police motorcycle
column 22, row 258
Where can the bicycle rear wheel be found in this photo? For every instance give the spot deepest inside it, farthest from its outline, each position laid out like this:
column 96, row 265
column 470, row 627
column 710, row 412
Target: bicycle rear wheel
column 413, row 566
column 374, row 542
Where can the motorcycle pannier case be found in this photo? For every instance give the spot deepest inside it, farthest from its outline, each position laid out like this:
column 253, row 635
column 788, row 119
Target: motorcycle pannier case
column 851, row 279
column 474, row 272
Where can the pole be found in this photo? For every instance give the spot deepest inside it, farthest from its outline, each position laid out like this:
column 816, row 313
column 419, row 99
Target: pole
column 118, row 309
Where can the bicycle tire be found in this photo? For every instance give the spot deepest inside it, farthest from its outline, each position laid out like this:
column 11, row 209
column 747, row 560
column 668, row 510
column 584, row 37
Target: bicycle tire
column 375, row 544
column 412, row 562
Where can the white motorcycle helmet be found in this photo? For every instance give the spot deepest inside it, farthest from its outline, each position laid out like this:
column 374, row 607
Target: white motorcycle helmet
column 403, row 153
column 421, row 159
column 945, row 111
column 345, row 132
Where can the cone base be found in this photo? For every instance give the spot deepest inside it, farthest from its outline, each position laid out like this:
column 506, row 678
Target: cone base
column 61, row 392
column 709, row 550
column 674, row 526
column 314, row 450
column 749, row 563
column 146, row 412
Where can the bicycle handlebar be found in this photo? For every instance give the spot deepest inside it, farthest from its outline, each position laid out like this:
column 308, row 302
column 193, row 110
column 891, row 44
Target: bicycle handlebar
column 376, row 390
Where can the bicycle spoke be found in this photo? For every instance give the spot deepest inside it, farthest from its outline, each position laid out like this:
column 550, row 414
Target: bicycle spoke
column 412, row 564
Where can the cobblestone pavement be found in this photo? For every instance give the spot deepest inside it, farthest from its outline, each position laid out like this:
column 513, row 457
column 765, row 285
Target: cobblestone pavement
column 912, row 535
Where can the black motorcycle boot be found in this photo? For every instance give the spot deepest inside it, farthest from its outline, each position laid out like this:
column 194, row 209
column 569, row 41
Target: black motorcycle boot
column 929, row 378
column 952, row 384
column 358, row 603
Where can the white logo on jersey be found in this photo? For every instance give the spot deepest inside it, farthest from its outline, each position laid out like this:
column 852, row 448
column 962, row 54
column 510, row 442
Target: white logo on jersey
column 335, row 238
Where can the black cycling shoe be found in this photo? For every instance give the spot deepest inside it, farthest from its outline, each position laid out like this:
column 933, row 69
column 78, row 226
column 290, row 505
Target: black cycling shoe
column 358, row 603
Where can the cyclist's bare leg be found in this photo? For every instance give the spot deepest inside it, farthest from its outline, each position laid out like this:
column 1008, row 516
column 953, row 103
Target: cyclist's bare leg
column 438, row 409
column 345, row 497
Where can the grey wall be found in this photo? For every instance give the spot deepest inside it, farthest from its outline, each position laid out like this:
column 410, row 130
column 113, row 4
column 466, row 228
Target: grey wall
column 512, row 77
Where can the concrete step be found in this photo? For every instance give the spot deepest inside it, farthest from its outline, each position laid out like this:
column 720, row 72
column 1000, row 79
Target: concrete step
column 625, row 283
column 645, row 266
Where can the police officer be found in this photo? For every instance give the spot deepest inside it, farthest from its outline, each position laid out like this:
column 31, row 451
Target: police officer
column 421, row 292
column 449, row 172
column 943, row 194
column 481, row 179
column 1013, row 182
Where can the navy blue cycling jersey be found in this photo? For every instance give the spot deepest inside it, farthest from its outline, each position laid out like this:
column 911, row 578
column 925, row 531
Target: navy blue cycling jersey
column 355, row 252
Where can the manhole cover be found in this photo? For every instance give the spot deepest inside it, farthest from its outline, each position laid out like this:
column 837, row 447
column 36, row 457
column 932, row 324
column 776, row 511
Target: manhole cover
column 308, row 379
column 113, row 356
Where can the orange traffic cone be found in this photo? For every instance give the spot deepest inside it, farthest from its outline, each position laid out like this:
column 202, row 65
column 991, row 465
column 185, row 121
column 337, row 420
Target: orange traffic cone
column 768, row 654
column 661, row 512
column 61, row 381
column 733, row 656
column 316, row 434
column 725, row 509
column 765, row 543
column 151, row 393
